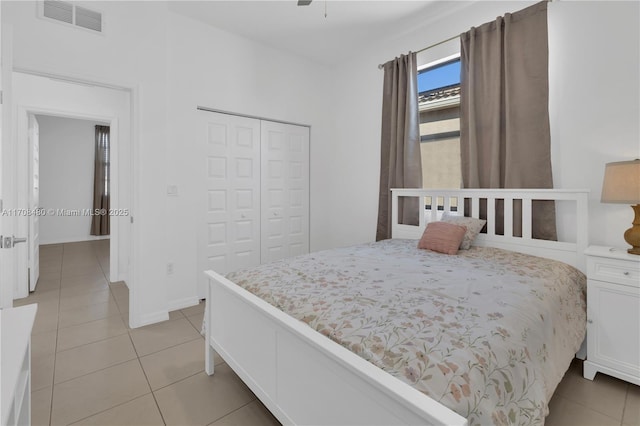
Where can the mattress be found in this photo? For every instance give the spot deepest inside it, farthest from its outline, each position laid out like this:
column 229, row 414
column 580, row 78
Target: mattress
column 488, row 333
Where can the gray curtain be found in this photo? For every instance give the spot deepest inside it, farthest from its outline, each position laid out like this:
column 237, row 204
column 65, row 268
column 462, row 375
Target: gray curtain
column 504, row 115
column 400, row 160
column 100, row 219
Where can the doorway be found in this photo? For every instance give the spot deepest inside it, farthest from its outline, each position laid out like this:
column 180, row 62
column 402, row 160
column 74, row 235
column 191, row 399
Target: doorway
column 43, row 96
column 65, row 194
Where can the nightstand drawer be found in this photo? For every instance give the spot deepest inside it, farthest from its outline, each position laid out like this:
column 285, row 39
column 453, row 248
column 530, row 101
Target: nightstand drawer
column 614, row 271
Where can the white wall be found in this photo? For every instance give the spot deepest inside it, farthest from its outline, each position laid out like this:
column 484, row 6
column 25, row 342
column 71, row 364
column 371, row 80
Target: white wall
column 67, row 150
column 595, row 102
column 173, row 65
column 127, row 57
column 593, row 106
column 212, row 68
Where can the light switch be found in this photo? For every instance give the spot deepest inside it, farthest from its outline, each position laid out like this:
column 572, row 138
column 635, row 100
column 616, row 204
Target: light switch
column 172, row 190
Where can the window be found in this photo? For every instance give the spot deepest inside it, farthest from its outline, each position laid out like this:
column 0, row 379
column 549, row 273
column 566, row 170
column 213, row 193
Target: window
column 439, row 105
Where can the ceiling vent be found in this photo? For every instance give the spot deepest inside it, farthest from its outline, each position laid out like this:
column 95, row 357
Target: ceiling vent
column 58, row 10
column 70, row 13
column 88, row 19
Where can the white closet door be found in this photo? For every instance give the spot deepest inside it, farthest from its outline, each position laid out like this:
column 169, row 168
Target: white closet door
column 285, row 190
column 232, row 225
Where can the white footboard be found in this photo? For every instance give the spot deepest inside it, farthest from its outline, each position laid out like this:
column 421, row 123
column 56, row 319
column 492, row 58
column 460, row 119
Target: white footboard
column 301, row 376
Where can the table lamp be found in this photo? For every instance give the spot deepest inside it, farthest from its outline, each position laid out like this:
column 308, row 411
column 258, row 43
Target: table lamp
column 622, row 186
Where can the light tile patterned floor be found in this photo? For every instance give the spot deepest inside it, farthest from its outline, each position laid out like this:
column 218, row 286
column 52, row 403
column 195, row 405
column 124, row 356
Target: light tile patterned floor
column 89, row 368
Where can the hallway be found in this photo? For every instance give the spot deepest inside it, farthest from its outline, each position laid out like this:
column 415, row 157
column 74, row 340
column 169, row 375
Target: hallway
column 89, row 367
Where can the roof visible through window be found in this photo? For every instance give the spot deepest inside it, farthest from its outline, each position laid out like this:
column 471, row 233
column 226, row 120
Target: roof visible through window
column 440, row 76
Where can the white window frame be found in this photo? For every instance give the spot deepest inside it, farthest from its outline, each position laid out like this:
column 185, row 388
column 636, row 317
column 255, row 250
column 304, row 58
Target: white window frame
column 441, row 103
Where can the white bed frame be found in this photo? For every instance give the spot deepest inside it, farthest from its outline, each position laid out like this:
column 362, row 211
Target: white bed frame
column 303, row 377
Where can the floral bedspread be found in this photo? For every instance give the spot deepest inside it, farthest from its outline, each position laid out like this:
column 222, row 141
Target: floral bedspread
column 488, row 333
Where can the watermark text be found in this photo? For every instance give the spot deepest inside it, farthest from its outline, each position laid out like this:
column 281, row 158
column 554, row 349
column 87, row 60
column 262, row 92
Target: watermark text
column 64, row 212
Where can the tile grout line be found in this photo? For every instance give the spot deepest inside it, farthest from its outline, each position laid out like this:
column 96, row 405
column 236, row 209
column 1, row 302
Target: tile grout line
column 178, row 381
column 55, row 350
column 168, row 347
column 105, row 410
column 624, row 406
column 255, row 398
column 100, row 265
column 90, row 321
column 621, row 420
column 95, row 341
column 153, row 395
column 96, row 371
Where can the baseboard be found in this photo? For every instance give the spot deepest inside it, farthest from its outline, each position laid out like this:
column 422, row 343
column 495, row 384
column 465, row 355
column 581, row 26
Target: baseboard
column 160, row 316
column 148, row 319
column 182, row 303
column 74, row 240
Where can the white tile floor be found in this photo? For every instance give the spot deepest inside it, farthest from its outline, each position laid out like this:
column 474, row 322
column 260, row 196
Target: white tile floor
column 89, row 368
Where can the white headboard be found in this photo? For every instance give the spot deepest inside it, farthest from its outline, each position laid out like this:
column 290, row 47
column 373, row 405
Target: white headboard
column 571, row 252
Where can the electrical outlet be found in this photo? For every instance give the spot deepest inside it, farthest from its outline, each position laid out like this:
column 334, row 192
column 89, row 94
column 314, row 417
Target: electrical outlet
column 169, row 268
column 172, row 190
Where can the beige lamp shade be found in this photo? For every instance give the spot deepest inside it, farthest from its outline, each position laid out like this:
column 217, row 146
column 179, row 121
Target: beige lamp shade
column 621, row 182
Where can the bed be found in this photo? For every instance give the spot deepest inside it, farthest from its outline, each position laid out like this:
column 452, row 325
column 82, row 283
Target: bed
column 384, row 333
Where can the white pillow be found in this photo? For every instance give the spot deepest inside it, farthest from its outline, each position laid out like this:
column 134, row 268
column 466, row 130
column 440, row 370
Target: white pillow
column 472, row 224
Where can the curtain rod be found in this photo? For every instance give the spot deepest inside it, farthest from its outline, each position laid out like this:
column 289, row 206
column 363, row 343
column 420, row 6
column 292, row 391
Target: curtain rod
column 380, row 66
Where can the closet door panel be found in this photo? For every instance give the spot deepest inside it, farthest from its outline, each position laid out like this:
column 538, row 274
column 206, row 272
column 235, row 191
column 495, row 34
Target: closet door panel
column 285, row 189
column 216, row 140
column 245, row 184
column 256, row 192
column 230, row 239
column 298, row 228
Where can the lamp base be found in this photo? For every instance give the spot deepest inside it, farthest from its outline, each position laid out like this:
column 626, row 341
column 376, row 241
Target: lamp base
column 632, row 235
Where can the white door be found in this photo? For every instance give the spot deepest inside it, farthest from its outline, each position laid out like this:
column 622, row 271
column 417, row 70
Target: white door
column 22, row 222
column 34, row 202
column 230, row 239
column 285, row 190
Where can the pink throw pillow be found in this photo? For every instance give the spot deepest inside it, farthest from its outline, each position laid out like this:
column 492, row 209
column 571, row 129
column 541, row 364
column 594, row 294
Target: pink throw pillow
column 442, row 237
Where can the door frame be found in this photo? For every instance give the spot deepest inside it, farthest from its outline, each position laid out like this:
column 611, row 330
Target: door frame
column 6, row 286
column 23, row 152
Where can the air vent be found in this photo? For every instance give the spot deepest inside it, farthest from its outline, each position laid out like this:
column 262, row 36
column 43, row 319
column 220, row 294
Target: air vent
column 89, row 19
column 69, row 13
column 58, row 10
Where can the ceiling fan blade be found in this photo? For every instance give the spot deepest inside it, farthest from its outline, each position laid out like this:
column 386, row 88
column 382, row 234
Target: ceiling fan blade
column 304, row 2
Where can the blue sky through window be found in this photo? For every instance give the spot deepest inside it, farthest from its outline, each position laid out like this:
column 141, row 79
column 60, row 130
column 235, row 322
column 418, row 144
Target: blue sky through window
column 442, row 75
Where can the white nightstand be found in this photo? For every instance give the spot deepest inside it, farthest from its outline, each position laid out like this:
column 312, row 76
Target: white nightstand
column 613, row 314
